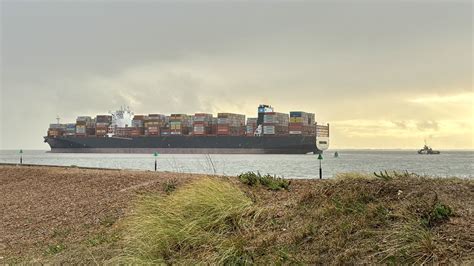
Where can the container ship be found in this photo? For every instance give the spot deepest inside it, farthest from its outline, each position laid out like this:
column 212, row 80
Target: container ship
column 228, row 133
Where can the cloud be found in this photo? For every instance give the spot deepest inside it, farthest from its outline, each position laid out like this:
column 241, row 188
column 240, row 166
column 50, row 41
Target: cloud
column 400, row 124
column 375, row 71
column 463, row 98
column 427, row 125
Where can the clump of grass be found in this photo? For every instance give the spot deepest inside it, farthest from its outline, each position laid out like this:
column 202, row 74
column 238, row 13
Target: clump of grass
column 198, row 222
column 437, row 214
column 412, row 239
column 55, row 249
column 440, row 212
column 170, row 185
column 394, row 174
column 108, row 220
column 410, row 242
column 272, row 182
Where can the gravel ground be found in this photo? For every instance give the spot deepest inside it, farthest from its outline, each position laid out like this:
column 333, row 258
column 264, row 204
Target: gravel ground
column 46, row 208
column 64, row 215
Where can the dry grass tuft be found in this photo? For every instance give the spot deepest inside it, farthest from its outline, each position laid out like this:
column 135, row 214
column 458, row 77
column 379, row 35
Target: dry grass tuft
column 198, row 222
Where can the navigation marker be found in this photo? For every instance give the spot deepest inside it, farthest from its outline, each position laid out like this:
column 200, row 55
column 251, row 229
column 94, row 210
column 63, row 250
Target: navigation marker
column 156, row 163
column 320, row 158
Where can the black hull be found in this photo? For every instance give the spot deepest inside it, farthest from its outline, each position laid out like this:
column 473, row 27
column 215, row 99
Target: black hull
column 186, row 144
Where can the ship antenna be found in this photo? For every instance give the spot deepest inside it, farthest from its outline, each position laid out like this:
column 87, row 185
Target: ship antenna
column 58, row 118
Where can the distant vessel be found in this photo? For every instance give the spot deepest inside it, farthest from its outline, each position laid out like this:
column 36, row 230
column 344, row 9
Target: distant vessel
column 427, row 150
column 336, row 155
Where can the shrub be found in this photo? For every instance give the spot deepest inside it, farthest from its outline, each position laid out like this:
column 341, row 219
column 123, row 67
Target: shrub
column 195, row 223
column 438, row 214
column 272, row 182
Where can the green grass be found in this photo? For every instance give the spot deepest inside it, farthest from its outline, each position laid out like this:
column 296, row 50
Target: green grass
column 55, row 249
column 440, row 213
column 269, row 181
column 198, row 222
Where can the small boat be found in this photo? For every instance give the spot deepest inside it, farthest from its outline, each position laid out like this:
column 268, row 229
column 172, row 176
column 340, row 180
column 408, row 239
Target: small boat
column 427, row 150
column 336, row 155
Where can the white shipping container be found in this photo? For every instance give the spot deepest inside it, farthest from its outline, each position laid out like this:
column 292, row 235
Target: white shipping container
column 276, row 118
column 270, row 130
column 268, row 119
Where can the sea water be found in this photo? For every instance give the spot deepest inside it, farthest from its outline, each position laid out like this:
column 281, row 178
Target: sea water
column 446, row 164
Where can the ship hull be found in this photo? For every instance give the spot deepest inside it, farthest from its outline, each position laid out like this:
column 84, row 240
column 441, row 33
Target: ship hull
column 186, row 144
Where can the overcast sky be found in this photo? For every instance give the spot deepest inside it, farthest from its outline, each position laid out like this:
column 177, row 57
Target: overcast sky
column 384, row 74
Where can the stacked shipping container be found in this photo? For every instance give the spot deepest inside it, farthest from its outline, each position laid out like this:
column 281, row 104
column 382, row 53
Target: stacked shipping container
column 230, row 124
column 202, row 124
column 302, row 123
column 275, row 123
column 153, row 123
column 138, row 125
column 199, row 124
column 56, row 130
column 251, row 126
column 70, row 129
column 180, row 124
column 102, row 124
column 83, row 125
column 214, row 126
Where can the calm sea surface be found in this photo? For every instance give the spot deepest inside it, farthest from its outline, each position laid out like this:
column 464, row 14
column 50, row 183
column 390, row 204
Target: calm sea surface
column 447, row 164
